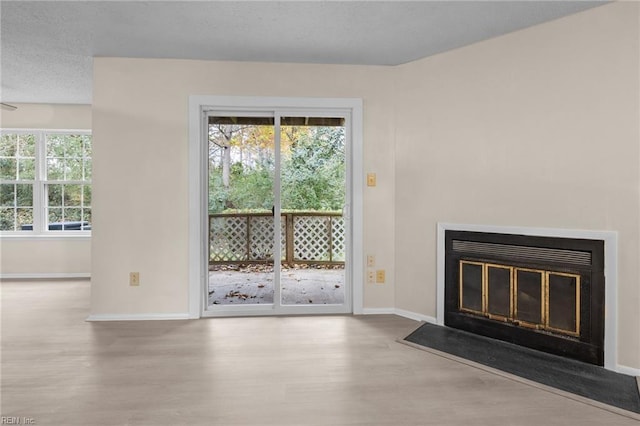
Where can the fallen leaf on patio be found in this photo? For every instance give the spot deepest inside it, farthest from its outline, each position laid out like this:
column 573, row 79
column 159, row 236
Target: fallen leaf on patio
column 237, row 294
column 337, row 285
column 310, row 301
column 260, row 285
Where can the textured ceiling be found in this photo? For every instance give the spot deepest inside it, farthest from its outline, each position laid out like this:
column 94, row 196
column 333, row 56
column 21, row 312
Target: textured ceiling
column 47, row 47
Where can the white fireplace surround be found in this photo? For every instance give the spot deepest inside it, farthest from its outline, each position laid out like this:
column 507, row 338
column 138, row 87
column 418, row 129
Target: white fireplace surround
column 610, row 239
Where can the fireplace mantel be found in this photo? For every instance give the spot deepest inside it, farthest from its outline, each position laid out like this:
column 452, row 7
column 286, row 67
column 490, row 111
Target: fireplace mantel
column 610, row 273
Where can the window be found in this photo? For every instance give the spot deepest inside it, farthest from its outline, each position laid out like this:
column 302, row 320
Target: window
column 45, row 181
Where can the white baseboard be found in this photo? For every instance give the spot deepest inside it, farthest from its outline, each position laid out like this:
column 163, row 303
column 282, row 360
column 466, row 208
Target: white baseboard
column 400, row 312
column 378, row 311
column 630, row 371
column 46, row 276
column 138, row 317
column 415, row 316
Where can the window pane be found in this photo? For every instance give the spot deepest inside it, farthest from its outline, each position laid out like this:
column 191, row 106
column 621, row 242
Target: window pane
column 25, row 217
column 54, row 195
column 73, row 146
column 55, row 169
column 72, row 215
column 87, row 146
column 7, row 195
column 24, row 195
column 87, row 195
column 88, row 172
column 72, row 195
column 73, row 169
column 55, row 215
column 8, row 144
column 86, row 216
column 55, row 145
column 8, row 168
column 7, row 219
column 26, row 169
column 27, row 145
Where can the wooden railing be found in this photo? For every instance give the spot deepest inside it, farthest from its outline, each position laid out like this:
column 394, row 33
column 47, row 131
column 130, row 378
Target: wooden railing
column 307, row 238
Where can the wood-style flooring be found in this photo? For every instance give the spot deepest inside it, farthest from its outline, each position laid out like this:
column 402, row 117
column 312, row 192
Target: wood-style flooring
column 58, row 369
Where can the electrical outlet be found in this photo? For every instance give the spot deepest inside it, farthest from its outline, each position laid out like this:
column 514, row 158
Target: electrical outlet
column 134, row 279
column 371, row 277
column 371, row 261
column 380, row 276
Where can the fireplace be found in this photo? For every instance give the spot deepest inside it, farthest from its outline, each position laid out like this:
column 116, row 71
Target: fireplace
column 546, row 293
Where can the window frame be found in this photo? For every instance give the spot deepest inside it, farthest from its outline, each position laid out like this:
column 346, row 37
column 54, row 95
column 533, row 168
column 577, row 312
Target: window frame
column 40, row 202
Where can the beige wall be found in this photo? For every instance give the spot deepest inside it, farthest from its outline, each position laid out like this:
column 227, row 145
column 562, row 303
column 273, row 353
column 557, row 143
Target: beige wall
column 47, row 116
column 537, row 128
column 40, row 256
column 140, row 187
column 46, row 257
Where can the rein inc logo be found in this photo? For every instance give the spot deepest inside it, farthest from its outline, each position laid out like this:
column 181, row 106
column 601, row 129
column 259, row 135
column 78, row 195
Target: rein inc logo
column 9, row 420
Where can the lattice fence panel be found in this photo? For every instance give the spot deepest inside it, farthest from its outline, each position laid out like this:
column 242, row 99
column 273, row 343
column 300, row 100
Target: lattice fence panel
column 283, row 237
column 261, row 239
column 228, row 239
column 338, row 238
column 249, row 238
column 311, row 238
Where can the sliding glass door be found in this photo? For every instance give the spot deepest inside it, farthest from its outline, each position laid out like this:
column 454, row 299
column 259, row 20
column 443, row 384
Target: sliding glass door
column 277, row 198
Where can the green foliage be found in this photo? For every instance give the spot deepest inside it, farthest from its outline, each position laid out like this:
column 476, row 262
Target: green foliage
column 68, row 157
column 218, row 194
column 313, row 173
column 17, row 157
column 16, row 201
column 252, row 189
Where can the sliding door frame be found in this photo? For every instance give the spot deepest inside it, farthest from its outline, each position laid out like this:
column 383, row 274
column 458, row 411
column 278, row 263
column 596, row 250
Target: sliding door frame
column 199, row 109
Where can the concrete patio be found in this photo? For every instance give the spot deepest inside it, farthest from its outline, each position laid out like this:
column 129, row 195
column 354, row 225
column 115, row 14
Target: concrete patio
column 232, row 285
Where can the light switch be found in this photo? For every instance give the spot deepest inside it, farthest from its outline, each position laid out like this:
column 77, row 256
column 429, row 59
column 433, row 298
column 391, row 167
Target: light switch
column 371, row 179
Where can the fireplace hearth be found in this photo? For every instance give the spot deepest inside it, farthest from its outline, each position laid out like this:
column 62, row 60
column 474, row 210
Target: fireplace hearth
column 546, row 293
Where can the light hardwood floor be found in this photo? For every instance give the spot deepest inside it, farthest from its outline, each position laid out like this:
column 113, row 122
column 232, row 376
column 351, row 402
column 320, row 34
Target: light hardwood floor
column 335, row 370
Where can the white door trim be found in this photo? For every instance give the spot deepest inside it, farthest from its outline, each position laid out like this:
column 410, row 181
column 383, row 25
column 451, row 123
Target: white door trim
column 198, row 105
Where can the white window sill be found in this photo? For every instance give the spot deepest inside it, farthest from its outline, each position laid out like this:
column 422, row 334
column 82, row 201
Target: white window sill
column 29, row 236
